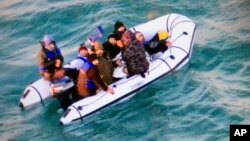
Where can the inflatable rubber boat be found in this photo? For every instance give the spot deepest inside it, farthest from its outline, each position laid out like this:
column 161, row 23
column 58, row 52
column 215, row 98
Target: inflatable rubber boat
column 182, row 31
column 182, row 34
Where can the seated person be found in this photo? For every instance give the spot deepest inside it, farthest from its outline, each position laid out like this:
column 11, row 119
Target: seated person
column 50, row 59
column 105, row 67
column 155, row 45
column 89, row 79
column 113, row 51
column 81, row 58
column 134, row 55
column 111, row 47
column 66, row 96
column 119, row 29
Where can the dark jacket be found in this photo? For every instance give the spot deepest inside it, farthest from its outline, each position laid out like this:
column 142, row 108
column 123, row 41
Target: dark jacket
column 155, row 47
column 105, row 68
column 135, row 58
column 112, row 50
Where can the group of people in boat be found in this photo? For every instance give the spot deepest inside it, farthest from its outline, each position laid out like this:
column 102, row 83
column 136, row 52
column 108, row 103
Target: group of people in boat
column 94, row 66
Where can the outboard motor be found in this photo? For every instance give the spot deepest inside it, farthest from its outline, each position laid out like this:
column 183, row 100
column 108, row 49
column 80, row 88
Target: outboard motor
column 39, row 91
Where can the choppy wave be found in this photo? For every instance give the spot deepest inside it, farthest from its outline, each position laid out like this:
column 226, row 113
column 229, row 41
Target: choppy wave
column 199, row 102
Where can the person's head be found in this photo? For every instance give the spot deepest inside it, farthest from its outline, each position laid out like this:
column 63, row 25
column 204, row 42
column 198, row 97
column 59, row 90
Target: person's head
column 127, row 37
column 119, row 27
column 112, row 38
column 139, row 37
column 83, row 50
column 48, row 42
column 99, row 52
column 93, row 59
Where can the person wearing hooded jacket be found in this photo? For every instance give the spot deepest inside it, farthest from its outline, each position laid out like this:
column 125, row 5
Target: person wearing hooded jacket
column 112, row 49
column 119, row 29
column 49, row 58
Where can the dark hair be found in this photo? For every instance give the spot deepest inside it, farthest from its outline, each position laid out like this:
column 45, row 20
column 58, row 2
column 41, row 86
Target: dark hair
column 91, row 57
column 118, row 24
column 113, row 36
column 82, row 48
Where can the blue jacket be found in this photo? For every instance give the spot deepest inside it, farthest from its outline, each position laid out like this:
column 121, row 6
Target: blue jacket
column 49, row 59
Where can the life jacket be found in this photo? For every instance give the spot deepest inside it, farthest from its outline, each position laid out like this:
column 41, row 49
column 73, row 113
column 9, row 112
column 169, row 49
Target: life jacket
column 82, row 58
column 52, row 55
column 89, row 84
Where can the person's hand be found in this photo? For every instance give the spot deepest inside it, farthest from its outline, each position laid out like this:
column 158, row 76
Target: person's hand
column 119, row 63
column 46, row 76
column 59, row 74
column 168, row 44
column 92, row 43
column 58, row 63
column 52, row 90
column 125, row 70
column 110, row 90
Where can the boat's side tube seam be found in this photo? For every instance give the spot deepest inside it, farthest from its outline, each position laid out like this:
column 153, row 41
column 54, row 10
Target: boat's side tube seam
column 180, row 49
column 39, row 94
column 165, row 63
column 167, row 23
column 192, row 40
column 81, row 117
column 179, row 23
column 174, row 21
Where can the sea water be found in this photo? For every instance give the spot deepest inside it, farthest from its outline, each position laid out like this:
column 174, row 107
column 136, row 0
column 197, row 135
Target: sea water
column 198, row 102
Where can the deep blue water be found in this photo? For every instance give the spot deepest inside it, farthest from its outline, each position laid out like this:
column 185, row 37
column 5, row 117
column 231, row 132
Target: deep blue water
column 199, row 102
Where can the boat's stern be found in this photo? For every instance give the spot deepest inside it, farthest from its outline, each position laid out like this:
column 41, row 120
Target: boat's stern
column 35, row 93
column 30, row 96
